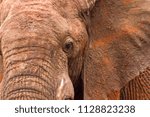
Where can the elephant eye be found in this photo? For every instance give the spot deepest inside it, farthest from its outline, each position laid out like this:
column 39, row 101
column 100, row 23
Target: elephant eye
column 68, row 46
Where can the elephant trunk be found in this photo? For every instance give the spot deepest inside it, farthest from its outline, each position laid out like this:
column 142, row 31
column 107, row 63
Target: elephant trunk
column 31, row 70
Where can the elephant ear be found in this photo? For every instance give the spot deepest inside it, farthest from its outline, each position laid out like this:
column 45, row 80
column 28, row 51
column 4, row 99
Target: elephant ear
column 119, row 48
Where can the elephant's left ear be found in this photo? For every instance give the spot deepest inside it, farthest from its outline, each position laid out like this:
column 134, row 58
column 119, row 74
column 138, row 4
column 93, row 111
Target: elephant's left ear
column 119, row 47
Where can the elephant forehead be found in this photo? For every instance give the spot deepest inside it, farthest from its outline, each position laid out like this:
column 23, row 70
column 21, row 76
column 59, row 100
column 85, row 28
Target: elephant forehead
column 36, row 16
column 63, row 7
column 67, row 8
column 27, row 23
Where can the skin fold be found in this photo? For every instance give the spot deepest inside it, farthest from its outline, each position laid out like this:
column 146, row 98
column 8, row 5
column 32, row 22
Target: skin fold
column 75, row 49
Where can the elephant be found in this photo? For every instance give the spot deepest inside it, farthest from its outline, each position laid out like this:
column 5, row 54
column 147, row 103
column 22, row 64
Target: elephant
column 75, row 49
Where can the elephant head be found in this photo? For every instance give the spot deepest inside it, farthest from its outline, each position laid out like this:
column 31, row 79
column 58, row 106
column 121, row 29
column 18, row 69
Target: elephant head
column 96, row 46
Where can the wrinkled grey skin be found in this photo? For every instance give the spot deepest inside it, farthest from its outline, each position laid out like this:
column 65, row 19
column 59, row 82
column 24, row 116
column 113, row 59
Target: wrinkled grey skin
column 69, row 49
